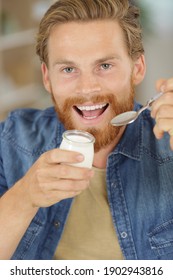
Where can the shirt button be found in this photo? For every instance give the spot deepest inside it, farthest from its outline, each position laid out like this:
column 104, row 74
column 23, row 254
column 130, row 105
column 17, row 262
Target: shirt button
column 57, row 224
column 124, row 234
column 113, row 185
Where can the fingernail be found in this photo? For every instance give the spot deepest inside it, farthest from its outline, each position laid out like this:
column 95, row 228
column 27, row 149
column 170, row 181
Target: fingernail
column 80, row 157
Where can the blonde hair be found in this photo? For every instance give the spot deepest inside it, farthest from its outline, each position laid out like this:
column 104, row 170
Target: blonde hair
column 63, row 11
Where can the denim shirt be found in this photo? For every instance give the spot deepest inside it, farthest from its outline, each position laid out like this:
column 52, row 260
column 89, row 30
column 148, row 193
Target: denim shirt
column 139, row 185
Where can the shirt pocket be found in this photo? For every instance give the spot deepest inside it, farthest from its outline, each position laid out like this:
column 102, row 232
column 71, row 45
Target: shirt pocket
column 161, row 239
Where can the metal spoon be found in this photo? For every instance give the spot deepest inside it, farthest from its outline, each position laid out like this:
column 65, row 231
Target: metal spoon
column 131, row 116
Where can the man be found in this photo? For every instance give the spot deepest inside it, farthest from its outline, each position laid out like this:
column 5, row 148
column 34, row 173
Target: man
column 91, row 60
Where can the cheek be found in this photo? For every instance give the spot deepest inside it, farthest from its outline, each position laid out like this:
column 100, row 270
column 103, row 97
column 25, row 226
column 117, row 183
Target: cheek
column 58, row 94
column 121, row 91
column 62, row 89
column 59, row 90
column 118, row 82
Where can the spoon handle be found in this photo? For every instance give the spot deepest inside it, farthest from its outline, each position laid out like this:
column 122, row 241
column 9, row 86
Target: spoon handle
column 150, row 102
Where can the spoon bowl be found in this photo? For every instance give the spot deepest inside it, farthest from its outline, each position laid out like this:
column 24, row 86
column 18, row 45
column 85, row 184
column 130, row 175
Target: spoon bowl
column 124, row 118
column 130, row 116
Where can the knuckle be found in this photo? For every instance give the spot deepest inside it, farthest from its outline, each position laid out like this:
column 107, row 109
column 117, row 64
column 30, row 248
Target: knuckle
column 50, row 156
column 43, row 156
column 38, row 174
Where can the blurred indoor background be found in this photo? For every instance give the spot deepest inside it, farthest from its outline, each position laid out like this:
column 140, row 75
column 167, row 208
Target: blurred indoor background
column 20, row 76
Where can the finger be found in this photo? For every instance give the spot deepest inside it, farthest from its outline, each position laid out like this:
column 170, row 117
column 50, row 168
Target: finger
column 63, row 171
column 168, row 86
column 164, row 85
column 71, row 186
column 64, row 186
column 62, row 156
column 72, row 172
column 160, row 84
column 165, row 100
column 163, row 125
column 157, row 132
column 165, row 112
column 57, row 192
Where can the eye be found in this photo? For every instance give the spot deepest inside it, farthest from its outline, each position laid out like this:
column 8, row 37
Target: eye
column 68, row 70
column 106, row 66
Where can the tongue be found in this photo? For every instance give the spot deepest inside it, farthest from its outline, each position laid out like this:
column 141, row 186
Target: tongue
column 93, row 113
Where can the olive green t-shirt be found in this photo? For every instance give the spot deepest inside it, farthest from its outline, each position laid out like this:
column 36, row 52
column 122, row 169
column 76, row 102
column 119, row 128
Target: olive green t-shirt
column 89, row 233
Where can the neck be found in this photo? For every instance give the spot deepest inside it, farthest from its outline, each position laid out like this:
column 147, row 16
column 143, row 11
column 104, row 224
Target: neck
column 100, row 158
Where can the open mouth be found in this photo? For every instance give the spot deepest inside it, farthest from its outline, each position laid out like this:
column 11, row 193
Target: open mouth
column 91, row 112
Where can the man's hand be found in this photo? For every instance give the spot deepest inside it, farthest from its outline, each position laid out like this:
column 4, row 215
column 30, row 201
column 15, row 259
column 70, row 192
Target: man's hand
column 51, row 179
column 162, row 110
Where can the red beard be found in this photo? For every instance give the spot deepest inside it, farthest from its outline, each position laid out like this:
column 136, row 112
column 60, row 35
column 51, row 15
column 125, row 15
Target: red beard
column 105, row 135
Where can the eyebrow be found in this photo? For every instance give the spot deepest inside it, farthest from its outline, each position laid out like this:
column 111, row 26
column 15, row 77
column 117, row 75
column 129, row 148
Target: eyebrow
column 100, row 60
column 63, row 61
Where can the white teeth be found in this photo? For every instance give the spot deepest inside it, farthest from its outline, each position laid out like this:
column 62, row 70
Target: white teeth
column 91, row 108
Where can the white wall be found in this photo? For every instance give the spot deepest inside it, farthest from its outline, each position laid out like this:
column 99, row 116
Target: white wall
column 158, row 44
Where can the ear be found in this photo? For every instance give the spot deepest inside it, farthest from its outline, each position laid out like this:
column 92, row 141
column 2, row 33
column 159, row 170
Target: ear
column 45, row 77
column 139, row 69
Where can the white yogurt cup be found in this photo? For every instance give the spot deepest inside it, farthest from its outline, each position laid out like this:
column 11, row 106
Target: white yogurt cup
column 82, row 142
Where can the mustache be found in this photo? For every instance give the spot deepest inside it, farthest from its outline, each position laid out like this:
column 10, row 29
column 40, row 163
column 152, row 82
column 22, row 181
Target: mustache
column 72, row 101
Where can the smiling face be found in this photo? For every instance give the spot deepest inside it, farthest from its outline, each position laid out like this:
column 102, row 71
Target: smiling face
column 90, row 76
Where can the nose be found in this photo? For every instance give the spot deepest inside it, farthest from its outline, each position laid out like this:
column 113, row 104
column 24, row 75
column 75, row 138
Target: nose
column 88, row 83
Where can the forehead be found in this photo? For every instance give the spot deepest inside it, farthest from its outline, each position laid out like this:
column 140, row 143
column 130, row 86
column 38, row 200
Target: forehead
column 95, row 38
